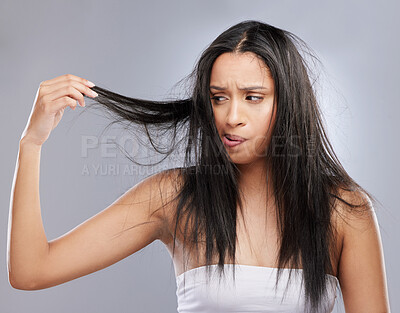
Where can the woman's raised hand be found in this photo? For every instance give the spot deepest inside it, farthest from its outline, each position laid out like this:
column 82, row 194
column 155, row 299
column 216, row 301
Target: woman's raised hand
column 52, row 97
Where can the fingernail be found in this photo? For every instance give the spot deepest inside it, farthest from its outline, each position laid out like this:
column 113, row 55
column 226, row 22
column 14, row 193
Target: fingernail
column 90, row 84
column 93, row 93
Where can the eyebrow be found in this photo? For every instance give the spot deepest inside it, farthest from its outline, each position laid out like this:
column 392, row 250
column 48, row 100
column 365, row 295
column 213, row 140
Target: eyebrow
column 244, row 88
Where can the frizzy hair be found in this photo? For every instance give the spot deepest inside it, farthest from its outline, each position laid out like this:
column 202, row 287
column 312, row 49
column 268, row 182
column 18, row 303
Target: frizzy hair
column 307, row 184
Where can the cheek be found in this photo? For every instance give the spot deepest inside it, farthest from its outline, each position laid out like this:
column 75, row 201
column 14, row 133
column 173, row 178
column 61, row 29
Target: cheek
column 263, row 128
column 263, row 121
column 217, row 119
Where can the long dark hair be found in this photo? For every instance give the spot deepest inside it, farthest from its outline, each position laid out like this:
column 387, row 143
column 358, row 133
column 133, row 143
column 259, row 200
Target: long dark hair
column 306, row 176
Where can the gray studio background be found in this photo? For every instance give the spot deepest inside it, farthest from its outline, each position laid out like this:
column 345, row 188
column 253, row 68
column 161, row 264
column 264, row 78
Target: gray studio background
column 141, row 49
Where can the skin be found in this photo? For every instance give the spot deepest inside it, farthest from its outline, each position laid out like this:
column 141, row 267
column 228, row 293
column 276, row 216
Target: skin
column 132, row 221
column 246, row 113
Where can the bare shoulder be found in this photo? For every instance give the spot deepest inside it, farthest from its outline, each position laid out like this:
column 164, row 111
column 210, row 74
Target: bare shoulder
column 361, row 269
column 346, row 217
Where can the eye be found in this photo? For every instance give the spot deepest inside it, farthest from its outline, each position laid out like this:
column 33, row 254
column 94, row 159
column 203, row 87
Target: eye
column 215, row 98
column 257, row 98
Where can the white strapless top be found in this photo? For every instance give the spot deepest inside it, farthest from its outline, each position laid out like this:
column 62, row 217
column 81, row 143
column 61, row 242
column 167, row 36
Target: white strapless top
column 252, row 291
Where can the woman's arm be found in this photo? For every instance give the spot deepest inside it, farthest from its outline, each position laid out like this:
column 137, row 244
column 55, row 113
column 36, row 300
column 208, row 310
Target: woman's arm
column 34, row 263
column 27, row 244
column 362, row 273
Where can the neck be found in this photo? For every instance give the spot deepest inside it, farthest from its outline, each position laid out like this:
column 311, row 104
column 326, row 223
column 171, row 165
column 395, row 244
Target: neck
column 253, row 178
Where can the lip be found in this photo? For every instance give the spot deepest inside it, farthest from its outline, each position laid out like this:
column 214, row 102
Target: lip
column 234, row 137
column 232, row 143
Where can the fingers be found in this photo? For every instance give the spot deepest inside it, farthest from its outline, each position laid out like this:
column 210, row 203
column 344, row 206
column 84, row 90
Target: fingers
column 52, row 97
column 66, row 78
column 74, row 89
column 63, row 102
column 67, row 85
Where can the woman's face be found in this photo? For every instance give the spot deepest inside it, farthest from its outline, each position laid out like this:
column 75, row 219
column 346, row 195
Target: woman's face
column 242, row 93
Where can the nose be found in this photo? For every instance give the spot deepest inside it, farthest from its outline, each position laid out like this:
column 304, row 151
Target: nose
column 234, row 115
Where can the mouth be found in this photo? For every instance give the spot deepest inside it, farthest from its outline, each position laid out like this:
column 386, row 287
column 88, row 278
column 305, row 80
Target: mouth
column 232, row 140
column 234, row 137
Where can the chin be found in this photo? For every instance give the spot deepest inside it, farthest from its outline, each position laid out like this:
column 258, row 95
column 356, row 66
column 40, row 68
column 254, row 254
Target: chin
column 242, row 160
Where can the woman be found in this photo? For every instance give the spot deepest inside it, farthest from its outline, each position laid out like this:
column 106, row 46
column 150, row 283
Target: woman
column 260, row 191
